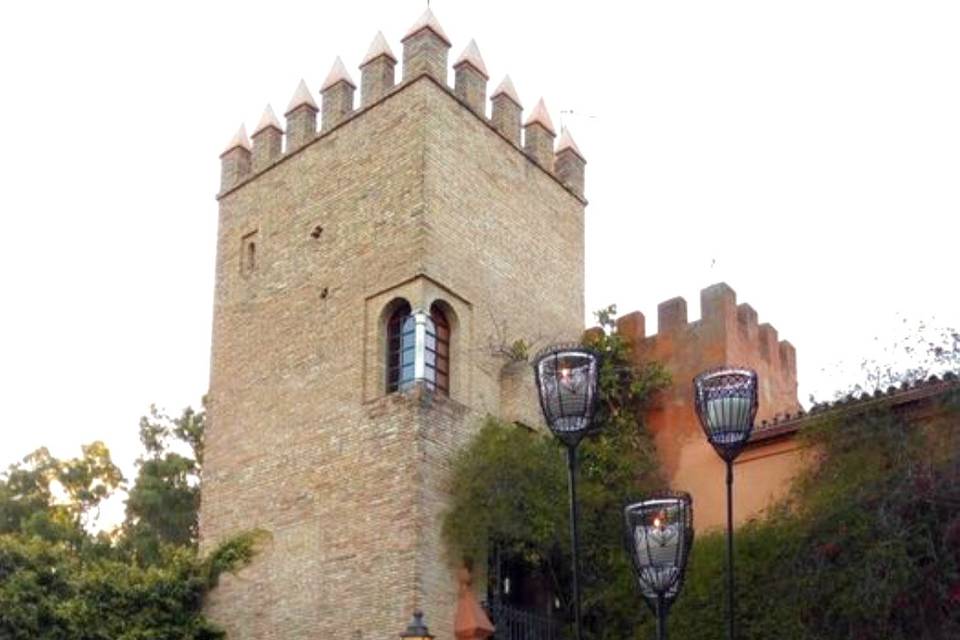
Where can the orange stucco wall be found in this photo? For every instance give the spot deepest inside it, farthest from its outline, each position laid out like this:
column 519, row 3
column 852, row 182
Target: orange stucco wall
column 727, row 334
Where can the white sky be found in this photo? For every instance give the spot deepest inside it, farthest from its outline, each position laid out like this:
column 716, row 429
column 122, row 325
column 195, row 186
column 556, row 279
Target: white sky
column 808, row 153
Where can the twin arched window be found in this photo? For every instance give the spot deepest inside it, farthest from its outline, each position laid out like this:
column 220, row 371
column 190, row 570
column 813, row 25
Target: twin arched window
column 418, row 348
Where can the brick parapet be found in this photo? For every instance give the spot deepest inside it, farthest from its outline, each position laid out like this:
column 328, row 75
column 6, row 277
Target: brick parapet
column 337, row 104
column 538, row 145
column 470, row 85
column 267, row 147
column 377, row 78
column 301, row 128
column 424, row 52
column 571, row 170
column 297, row 143
column 235, row 167
column 507, row 118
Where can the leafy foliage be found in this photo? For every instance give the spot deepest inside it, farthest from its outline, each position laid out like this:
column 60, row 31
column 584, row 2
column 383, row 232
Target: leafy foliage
column 54, row 499
column 146, row 581
column 868, row 546
column 162, row 506
column 510, row 488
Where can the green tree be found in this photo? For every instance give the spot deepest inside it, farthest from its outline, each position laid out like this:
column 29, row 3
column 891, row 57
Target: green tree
column 56, row 499
column 163, row 503
column 59, row 581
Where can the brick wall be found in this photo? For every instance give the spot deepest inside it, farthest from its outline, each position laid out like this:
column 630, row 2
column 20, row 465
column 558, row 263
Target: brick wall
column 414, row 197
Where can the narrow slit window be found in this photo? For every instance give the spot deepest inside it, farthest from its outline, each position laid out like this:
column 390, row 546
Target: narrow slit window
column 248, row 254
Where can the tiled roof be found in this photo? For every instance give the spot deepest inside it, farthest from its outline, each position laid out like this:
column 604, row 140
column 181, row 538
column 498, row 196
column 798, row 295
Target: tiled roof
column 787, row 424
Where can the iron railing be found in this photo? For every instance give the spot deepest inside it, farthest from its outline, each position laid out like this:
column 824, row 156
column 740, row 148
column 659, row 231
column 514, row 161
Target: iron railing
column 516, row 624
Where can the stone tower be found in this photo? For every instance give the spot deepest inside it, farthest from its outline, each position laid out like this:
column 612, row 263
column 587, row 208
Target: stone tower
column 369, row 271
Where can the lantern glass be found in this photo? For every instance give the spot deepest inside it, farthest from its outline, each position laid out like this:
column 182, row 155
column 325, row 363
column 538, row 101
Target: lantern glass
column 659, row 537
column 566, row 379
column 726, row 403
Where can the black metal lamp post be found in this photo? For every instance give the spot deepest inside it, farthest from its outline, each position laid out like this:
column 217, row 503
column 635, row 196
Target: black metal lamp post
column 566, row 378
column 726, row 401
column 659, row 538
column 417, row 630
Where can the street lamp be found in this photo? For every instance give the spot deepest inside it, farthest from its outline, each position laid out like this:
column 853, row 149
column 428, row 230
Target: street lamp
column 417, row 630
column 726, row 401
column 566, row 377
column 659, row 537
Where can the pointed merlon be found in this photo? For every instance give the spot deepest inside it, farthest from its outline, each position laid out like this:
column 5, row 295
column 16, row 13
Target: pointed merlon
column 239, row 139
column 378, row 47
column 506, row 88
column 471, row 55
column 302, row 97
column 337, row 74
column 566, row 142
column 269, row 119
column 427, row 21
column 541, row 117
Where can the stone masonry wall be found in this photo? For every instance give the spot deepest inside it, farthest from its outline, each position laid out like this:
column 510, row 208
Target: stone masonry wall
column 414, row 196
column 292, row 448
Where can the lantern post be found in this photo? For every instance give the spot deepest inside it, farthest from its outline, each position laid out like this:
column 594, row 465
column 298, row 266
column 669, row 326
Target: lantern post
column 726, row 403
column 566, row 377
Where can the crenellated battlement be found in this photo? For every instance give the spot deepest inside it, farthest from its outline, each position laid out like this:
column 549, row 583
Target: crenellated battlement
column 726, row 333
column 425, row 49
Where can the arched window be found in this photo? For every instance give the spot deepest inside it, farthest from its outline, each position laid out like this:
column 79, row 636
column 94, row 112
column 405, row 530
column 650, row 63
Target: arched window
column 437, row 352
column 401, row 347
column 418, row 348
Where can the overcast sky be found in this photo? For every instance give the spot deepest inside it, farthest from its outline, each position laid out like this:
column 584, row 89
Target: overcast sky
column 807, row 153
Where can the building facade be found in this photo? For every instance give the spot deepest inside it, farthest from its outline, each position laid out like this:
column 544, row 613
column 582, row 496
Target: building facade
column 378, row 258
column 372, row 270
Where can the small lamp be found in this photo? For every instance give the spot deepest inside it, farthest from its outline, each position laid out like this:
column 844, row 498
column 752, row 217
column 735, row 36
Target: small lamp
column 417, row 630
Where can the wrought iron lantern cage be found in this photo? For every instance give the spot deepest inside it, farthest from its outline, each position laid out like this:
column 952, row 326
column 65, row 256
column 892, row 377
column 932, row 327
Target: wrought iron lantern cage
column 566, row 377
column 726, row 403
column 659, row 538
column 417, row 629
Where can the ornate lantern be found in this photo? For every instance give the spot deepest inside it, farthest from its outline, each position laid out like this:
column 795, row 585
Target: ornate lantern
column 659, row 538
column 726, row 402
column 566, row 377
